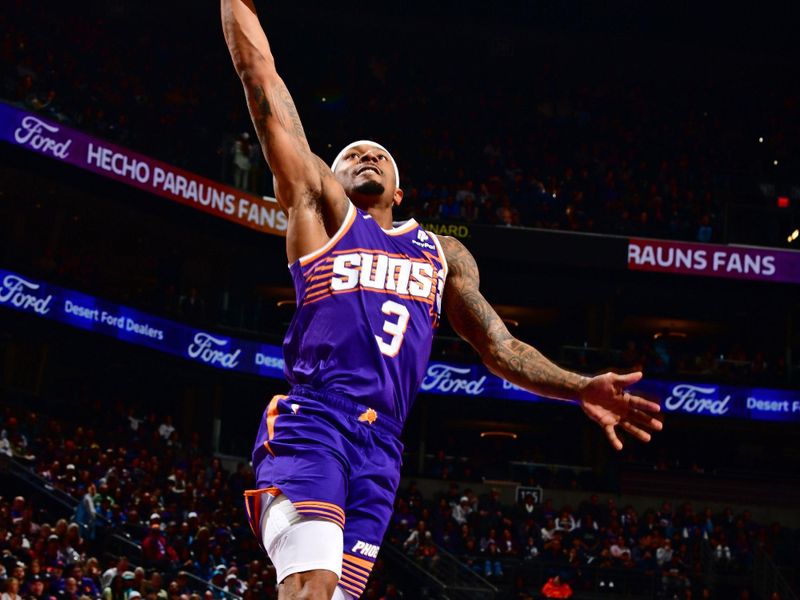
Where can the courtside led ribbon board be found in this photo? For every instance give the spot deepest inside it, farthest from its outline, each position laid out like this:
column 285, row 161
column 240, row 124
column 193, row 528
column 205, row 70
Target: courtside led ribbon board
column 714, row 260
column 54, row 140
column 199, row 345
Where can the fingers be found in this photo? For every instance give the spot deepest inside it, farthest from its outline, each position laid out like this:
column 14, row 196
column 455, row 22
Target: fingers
column 644, row 405
column 645, row 420
column 627, row 379
column 639, row 434
column 612, row 437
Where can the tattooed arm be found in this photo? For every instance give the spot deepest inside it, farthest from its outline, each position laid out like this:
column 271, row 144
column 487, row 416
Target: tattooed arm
column 602, row 398
column 305, row 186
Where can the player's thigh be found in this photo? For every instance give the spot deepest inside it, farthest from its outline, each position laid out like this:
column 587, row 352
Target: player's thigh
column 306, row 551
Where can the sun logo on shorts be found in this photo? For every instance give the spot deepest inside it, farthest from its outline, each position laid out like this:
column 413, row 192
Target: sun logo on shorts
column 368, row 416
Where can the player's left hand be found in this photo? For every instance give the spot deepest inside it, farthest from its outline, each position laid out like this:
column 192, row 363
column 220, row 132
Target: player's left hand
column 605, row 401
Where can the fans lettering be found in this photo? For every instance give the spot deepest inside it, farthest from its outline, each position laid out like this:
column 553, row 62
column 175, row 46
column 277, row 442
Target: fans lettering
column 30, row 133
column 743, row 263
column 684, row 258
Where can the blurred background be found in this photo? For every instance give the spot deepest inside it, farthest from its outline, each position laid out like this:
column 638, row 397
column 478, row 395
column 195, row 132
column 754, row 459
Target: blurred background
column 628, row 179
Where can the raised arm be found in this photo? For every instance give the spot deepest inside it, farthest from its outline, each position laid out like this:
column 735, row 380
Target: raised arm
column 602, row 398
column 303, row 180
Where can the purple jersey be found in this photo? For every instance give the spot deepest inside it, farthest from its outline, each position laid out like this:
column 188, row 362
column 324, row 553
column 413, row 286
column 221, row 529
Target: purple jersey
column 368, row 303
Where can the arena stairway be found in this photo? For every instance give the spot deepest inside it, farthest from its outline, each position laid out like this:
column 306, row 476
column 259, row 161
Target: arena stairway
column 110, row 541
column 446, row 578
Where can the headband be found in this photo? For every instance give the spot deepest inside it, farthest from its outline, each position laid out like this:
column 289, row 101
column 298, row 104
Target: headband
column 368, row 143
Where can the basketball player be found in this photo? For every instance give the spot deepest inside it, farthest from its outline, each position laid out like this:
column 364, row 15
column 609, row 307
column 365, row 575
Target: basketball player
column 369, row 296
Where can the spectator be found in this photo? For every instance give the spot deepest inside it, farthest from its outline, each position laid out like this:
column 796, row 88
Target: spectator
column 116, row 589
column 233, row 584
column 166, row 429
column 156, row 551
column 86, row 514
column 36, row 588
column 664, row 553
column 556, row 588
column 462, row 510
column 12, row 590
column 241, row 162
column 117, row 570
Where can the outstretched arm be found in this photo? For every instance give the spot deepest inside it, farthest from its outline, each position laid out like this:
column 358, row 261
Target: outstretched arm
column 302, row 178
column 602, row 398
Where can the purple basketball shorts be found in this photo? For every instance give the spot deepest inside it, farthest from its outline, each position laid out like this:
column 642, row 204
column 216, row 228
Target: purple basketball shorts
column 336, row 460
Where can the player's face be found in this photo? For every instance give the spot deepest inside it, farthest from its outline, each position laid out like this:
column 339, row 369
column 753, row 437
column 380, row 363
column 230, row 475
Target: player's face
column 366, row 170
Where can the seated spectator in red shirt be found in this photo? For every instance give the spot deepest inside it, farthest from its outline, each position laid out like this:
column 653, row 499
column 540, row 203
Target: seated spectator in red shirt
column 155, row 548
column 555, row 588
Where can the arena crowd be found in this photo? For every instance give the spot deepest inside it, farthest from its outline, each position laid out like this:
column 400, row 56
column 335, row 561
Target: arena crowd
column 143, row 478
column 572, row 152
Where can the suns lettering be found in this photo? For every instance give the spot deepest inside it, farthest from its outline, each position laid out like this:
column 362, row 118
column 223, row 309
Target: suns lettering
column 421, row 280
column 346, row 267
column 398, row 274
column 383, row 273
column 374, row 277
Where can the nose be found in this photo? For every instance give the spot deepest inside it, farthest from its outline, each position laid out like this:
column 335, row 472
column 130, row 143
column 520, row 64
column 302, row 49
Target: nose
column 368, row 156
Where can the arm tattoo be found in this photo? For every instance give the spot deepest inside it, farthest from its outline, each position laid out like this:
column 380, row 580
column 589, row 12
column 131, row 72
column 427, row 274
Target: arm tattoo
column 272, row 110
column 261, row 111
column 476, row 321
column 276, row 101
column 290, row 119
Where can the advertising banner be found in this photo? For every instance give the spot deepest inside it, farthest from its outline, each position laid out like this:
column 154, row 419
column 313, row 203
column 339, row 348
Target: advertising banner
column 136, row 327
column 266, row 360
column 702, row 399
column 51, row 139
column 711, row 260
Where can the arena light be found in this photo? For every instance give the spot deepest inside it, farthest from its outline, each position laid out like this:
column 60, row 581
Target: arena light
column 793, row 236
column 761, row 140
column 499, row 434
column 677, row 334
column 775, row 162
column 783, row 202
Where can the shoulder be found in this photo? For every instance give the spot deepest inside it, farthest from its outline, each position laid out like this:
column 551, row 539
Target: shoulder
column 459, row 259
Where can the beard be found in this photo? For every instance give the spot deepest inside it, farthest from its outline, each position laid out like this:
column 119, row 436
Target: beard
column 370, row 188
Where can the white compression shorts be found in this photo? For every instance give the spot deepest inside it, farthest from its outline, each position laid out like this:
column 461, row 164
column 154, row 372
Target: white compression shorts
column 295, row 543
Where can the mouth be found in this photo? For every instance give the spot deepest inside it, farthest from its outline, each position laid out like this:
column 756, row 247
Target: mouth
column 366, row 168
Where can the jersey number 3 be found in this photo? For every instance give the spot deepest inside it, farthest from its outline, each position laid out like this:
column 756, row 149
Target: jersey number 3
column 396, row 329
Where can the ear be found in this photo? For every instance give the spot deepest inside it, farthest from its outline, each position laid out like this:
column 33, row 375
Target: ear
column 397, row 197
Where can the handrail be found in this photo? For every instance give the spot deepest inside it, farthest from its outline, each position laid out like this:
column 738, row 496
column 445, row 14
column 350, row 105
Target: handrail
column 454, row 589
column 68, row 502
column 394, row 550
column 767, row 578
column 473, row 574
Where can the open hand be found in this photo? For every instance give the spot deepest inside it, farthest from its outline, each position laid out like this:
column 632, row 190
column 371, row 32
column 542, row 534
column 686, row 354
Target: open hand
column 605, row 401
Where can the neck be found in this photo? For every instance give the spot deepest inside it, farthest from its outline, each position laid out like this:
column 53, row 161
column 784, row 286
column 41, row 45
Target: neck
column 378, row 207
column 381, row 215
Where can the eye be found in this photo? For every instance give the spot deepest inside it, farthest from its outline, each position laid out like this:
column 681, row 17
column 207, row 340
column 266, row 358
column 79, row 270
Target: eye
column 351, row 155
column 382, row 157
